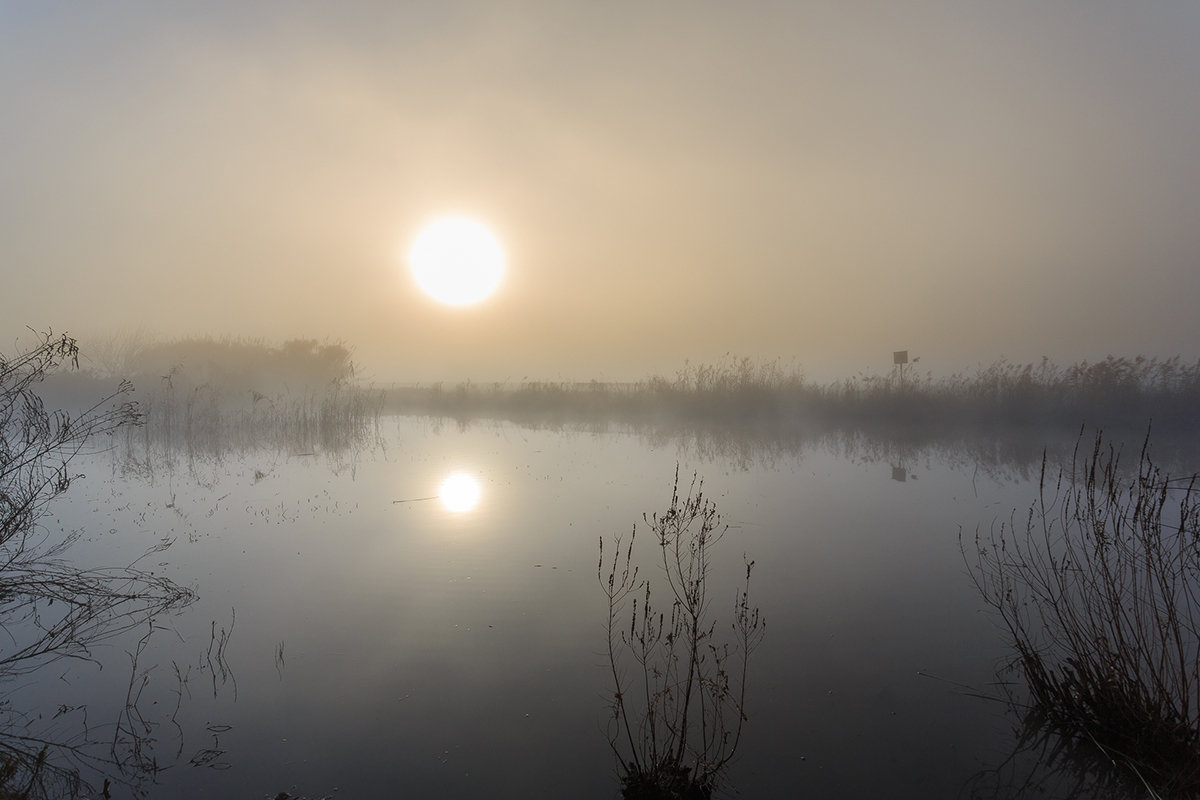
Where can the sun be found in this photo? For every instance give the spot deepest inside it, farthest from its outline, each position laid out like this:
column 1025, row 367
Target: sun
column 457, row 261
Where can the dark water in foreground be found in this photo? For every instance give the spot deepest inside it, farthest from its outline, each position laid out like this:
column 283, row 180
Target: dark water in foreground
column 349, row 645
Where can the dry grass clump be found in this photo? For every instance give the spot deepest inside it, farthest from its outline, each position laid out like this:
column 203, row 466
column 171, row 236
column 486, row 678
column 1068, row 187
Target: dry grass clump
column 679, row 687
column 1099, row 590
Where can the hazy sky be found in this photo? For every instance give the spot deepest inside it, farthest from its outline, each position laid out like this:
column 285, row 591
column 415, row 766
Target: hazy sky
column 819, row 182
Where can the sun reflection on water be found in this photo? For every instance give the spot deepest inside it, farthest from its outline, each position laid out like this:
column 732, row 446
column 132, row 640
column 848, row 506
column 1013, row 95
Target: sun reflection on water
column 459, row 492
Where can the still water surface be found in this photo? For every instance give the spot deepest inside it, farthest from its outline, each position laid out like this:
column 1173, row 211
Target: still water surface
column 359, row 635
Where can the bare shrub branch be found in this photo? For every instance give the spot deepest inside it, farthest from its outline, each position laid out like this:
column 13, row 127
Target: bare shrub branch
column 679, row 688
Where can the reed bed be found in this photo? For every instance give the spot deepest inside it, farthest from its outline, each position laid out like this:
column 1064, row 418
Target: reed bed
column 1114, row 393
column 212, row 420
column 1098, row 590
column 215, row 396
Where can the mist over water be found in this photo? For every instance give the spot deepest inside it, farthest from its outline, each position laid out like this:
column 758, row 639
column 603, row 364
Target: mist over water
column 401, row 581
column 357, row 628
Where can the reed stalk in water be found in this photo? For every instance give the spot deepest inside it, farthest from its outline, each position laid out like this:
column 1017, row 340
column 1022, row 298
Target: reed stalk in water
column 1098, row 589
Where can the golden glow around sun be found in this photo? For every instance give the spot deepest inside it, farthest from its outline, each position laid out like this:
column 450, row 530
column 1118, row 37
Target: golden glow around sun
column 457, row 261
column 459, row 492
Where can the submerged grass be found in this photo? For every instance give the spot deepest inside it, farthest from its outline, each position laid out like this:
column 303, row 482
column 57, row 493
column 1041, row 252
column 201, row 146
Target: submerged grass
column 1098, row 589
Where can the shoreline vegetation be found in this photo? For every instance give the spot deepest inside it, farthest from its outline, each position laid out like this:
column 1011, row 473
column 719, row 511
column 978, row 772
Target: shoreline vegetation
column 1096, row 589
column 1114, row 394
column 52, row 608
column 314, row 390
column 213, row 397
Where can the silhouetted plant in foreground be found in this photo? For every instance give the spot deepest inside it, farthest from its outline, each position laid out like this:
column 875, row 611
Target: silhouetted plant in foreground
column 51, row 609
column 1099, row 590
column 36, row 444
column 679, row 688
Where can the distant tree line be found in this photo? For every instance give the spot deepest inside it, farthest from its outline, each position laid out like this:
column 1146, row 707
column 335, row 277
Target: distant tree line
column 242, row 364
column 224, row 367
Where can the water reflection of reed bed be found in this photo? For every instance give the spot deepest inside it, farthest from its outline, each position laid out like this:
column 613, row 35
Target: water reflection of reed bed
column 995, row 422
column 999, row 455
column 986, row 454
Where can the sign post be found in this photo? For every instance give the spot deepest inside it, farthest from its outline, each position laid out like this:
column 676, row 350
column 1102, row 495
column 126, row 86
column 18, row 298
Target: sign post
column 900, row 358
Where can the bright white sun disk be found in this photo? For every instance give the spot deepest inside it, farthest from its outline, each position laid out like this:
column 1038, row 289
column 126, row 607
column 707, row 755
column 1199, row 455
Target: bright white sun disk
column 457, row 261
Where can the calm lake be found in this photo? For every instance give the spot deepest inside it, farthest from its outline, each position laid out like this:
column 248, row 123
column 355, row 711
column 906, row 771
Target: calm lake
column 358, row 635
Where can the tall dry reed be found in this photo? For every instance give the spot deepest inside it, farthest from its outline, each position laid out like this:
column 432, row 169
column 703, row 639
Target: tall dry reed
column 1098, row 589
